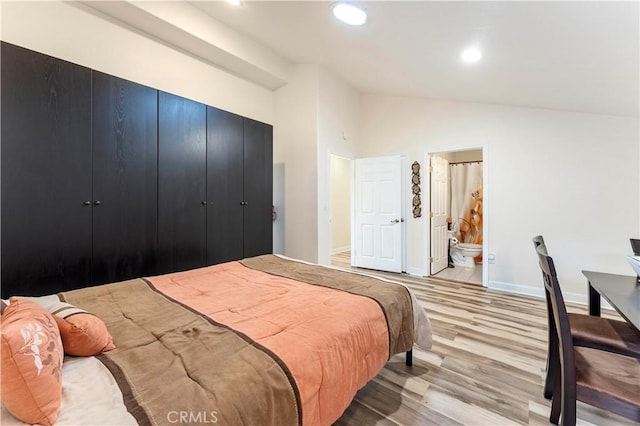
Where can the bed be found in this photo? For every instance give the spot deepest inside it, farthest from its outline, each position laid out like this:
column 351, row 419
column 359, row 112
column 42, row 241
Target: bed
column 262, row 341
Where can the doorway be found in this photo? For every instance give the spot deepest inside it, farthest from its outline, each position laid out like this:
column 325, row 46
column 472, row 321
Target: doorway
column 341, row 173
column 457, row 227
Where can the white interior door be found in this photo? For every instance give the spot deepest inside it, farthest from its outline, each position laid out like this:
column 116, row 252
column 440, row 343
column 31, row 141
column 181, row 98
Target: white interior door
column 439, row 181
column 378, row 214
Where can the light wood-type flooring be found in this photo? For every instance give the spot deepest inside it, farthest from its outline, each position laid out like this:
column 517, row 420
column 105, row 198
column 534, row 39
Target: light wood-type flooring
column 486, row 366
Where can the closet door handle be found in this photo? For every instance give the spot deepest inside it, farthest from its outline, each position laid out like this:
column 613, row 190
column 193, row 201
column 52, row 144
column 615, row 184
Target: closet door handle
column 86, row 203
column 204, row 203
column 97, row 203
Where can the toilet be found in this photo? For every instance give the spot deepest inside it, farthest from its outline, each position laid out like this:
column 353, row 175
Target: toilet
column 462, row 254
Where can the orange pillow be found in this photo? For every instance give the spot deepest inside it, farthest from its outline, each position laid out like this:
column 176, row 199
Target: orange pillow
column 84, row 334
column 31, row 363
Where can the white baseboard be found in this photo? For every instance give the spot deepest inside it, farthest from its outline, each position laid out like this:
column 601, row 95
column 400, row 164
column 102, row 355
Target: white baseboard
column 516, row 288
column 340, row 249
column 580, row 299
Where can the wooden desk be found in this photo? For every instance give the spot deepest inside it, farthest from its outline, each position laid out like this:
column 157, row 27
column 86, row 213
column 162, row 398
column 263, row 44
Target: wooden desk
column 621, row 291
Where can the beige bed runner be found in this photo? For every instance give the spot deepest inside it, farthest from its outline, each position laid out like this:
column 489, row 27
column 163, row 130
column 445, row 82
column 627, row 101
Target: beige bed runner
column 393, row 299
column 163, row 349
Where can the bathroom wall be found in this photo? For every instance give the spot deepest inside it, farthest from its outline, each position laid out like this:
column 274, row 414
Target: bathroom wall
column 467, row 155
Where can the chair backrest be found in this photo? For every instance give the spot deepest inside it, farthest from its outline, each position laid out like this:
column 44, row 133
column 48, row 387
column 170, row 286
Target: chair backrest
column 552, row 339
column 538, row 241
column 563, row 331
column 635, row 246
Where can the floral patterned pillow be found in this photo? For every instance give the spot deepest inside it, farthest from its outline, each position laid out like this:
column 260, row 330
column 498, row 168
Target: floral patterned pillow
column 32, row 357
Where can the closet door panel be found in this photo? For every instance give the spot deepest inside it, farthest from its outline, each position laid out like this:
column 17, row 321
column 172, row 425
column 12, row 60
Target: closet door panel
column 125, row 176
column 224, row 186
column 46, row 173
column 258, row 188
column 182, row 177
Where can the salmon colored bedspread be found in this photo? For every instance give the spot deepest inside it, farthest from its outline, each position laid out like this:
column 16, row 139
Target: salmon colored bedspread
column 311, row 343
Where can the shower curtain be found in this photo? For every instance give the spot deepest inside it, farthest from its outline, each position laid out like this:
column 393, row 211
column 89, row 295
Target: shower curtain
column 466, row 202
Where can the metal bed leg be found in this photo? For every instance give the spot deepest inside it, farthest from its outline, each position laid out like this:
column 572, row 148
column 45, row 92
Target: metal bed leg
column 409, row 359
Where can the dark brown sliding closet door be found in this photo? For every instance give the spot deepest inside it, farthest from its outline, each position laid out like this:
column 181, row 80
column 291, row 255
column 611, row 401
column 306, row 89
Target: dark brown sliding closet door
column 125, row 179
column 46, row 173
column 182, row 168
column 258, row 188
column 224, row 186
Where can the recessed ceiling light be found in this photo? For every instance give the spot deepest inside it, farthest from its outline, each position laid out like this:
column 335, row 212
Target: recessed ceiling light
column 349, row 14
column 233, row 2
column 471, row 55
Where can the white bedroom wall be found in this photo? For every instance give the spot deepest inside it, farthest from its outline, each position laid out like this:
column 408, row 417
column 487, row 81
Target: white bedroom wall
column 316, row 115
column 572, row 177
column 295, row 157
column 339, row 109
column 68, row 32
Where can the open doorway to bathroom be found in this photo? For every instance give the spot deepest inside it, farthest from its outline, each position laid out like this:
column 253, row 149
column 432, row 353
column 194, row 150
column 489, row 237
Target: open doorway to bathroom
column 340, row 215
column 457, row 225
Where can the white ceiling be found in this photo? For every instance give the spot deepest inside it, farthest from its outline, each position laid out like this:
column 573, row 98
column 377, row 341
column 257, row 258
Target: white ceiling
column 578, row 56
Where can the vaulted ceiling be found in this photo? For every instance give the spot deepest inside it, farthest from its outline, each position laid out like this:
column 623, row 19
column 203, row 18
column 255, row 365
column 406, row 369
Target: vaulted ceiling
column 578, row 56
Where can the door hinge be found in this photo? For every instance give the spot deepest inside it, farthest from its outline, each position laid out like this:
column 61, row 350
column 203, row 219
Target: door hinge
column 430, row 214
column 430, row 259
column 430, row 169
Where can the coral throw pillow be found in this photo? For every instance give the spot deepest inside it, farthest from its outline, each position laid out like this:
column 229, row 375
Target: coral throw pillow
column 32, row 354
column 84, row 334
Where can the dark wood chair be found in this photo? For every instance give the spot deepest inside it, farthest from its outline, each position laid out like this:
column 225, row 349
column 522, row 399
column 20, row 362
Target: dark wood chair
column 600, row 378
column 587, row 331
